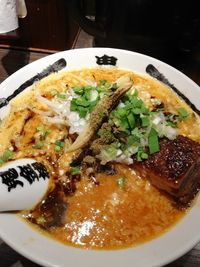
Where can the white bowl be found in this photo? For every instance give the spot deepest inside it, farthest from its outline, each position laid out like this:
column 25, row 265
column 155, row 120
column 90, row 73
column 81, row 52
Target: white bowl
column 48, row 252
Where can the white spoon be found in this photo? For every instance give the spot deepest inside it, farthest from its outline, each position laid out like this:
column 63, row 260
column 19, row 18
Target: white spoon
column 23, row 183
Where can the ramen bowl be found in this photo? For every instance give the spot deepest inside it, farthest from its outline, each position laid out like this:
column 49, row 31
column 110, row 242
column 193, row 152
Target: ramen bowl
column 48, row 252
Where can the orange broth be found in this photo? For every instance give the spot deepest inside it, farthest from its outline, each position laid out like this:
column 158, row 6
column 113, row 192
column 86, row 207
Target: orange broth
column 105, row 216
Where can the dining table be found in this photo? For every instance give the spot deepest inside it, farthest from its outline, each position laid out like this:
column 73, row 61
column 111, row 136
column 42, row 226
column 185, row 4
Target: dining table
column 13, row 59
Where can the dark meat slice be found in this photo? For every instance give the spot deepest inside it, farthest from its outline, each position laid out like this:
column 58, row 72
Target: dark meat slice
column 174, row 169
column 50, row 212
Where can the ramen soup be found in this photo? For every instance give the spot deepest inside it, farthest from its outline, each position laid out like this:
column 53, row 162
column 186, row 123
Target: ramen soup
column 96, row 198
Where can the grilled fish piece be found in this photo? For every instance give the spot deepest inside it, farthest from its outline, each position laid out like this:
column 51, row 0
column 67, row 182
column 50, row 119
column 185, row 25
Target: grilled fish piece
column 174, row 169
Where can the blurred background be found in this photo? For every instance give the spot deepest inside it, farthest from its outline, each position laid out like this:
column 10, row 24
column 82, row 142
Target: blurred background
column 168, row 30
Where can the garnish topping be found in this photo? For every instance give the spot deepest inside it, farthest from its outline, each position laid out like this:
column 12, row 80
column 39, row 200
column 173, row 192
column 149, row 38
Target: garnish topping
column 6, row 156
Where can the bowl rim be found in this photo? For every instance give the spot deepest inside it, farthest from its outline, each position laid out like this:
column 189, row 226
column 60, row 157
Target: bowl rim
column 42, row 62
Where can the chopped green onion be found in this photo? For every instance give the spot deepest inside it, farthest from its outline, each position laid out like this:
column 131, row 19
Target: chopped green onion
column 136, row 133
column 137, row 111
column 124, row 125
column 39, row 128
column 131, row 140
column 120, row 112
column 153, row 141
column 92, row 105
column 57, row 148
column 82, row 102
column 120, row 181
column 82, row 112
column 171, row 124
column 141, row 154
column 38, row 145
column 182, row 114
column 74, row 170
column 73, row 105
column 131, row 120
column 61, row 95
column 6, row 156
column 144, row 155
column 59, row 143
column 145, row 121
column 88, row 88
column 136, row 102
column 171, row 120
column 78, row 90
column 135, row 93
column 88, row 94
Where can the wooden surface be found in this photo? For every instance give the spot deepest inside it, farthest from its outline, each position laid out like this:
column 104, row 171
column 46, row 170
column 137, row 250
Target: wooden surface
column 12, row 60
column 48, row 25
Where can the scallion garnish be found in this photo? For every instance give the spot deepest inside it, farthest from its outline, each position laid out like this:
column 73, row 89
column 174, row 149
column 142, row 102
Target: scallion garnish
column 57, row 148
column 39, row 128
column 74, row 170
column 145, row 121
column 88, row 96
column 59, row 145
column 83, row 104
column 171, row 124
column 131, row 120
column 79, row 90
column 61, row 95
column 38, row 145
column 182, row 114
column 153, row 141
column 141, row 154
column 131, row 140
column 6, row 156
